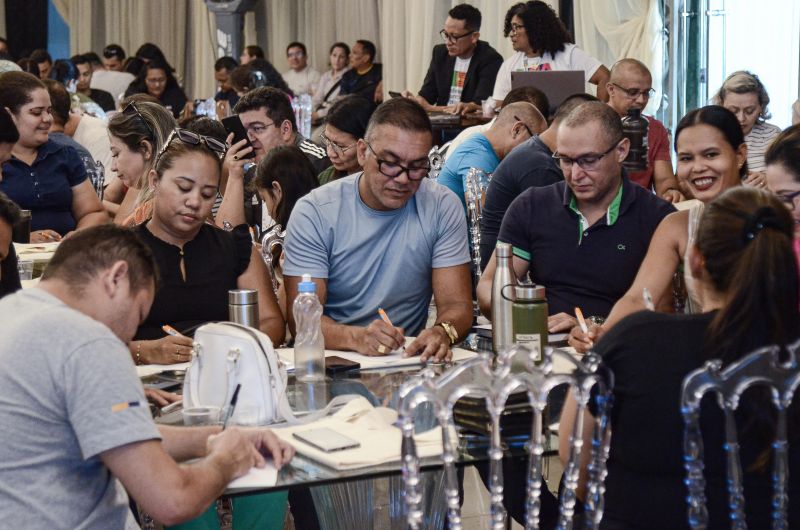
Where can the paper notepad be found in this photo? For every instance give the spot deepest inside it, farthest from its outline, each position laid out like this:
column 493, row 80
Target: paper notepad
column 265, row 477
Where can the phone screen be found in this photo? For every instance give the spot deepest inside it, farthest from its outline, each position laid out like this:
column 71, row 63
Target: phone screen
column 234, row 125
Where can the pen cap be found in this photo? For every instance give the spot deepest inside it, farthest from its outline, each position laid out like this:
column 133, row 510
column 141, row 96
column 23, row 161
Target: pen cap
column 307, row 286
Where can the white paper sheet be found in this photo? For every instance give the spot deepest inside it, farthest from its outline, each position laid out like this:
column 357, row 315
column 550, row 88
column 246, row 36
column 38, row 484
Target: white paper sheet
column 149, row 369
column 265, row 477
column 35, row 251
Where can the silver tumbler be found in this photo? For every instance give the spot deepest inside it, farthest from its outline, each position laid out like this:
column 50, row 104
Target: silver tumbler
column 243, row 307
column 503, row 299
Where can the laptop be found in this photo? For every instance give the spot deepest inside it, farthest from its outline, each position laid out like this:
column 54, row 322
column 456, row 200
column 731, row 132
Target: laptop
column 556, row 85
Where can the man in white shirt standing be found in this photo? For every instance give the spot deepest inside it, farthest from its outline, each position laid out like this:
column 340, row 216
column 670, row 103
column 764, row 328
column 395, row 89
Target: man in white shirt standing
column 301, row 78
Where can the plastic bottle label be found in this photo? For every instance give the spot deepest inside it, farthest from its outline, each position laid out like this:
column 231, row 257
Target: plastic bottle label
column 531, row 341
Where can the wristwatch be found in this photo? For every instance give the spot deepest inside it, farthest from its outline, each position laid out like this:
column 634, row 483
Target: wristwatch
column 450, row 329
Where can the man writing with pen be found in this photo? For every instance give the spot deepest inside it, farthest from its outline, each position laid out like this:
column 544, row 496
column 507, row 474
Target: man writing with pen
column 385, row 238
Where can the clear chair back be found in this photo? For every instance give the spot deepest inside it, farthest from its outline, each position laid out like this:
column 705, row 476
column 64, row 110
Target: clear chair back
column 436, row 157
column 272, row 240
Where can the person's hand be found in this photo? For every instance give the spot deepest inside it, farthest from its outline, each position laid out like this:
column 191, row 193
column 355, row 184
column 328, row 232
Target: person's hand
column 162, row 398
column 379, row 338
column 187, row 111
column 379, row 92
column 560, row 323
column 170, row 349
column 757, row 179
column 223, row 109
column 464, row 108
column 583, row 342
column 235, row 448
column 267, row 444
column 408, row 94
column 45, row 236
column 672, row 195
column 431, row 343
column 235, row 160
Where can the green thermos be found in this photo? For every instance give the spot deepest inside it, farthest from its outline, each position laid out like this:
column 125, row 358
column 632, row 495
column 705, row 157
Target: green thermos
column 529, row 314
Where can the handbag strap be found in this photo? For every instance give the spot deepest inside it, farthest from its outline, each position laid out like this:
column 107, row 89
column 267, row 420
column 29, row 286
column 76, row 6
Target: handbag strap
column 279, row 382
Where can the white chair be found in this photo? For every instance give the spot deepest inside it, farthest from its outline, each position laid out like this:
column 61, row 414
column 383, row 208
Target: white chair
column 479, row 377
column 764, row 368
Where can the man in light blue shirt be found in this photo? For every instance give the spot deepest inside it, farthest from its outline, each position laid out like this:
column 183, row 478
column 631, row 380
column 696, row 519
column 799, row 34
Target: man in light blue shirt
column 484, row 150
column 385, row 238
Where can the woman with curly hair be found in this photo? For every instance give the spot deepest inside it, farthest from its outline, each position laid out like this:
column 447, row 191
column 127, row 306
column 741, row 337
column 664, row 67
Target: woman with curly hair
column 542, row 42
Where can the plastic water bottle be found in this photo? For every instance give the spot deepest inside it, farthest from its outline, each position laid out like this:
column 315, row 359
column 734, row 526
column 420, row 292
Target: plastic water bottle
column 309, row 344
column 301, row 104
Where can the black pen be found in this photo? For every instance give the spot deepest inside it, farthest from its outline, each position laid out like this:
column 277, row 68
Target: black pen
column 232, row 406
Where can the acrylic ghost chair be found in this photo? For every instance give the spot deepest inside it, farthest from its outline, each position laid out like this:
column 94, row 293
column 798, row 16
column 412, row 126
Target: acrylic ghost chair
column 764, row 368
column 495, row 381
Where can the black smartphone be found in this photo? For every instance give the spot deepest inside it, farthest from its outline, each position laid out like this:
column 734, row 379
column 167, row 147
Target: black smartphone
column 395, row 94
column 337, row 365
column 234, row 125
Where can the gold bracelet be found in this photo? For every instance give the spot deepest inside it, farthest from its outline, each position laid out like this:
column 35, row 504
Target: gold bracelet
column 138, row 353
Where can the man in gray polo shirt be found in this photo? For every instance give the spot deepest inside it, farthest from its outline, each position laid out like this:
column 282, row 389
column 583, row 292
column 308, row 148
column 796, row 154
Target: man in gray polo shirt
column 386, row 238
column 73, row 410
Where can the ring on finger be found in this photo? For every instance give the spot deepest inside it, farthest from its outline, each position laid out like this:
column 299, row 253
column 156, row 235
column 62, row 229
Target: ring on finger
column 381, row 349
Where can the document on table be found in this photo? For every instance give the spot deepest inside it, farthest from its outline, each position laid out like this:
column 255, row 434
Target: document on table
column 150, row 369
column 391, row 360
column 264, row 477
column 35, row 251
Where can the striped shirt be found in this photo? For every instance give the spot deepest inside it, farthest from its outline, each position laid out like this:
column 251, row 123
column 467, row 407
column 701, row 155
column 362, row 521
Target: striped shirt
column 757, row 144
column 316, row 154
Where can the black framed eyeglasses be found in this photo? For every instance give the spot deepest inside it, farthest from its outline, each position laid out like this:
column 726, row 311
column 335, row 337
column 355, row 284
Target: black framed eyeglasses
column 191, row 138
column 394, row 170
column 449, row 37
column 634, row 93
column 338, row 149
column 587, row 162
column 525, row 125
column 789, row 199
column 132, row 109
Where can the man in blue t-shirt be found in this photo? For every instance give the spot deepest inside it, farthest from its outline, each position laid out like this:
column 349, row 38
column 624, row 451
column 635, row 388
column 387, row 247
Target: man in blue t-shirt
column 584, row 238
column 385, row 238
column 484, row 150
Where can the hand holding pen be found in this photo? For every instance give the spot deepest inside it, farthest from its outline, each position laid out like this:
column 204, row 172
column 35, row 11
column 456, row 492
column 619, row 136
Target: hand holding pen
column 380, row 337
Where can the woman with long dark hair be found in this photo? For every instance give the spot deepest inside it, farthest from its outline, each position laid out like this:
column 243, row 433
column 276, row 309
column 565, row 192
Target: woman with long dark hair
column 156, row 78
column 742, row 259
column 783, row 174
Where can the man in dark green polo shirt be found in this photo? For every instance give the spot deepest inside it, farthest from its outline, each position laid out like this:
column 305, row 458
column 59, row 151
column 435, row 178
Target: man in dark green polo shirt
column 584, row 238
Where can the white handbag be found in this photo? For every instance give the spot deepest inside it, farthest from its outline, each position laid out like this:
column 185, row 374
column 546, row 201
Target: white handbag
column 225, row 355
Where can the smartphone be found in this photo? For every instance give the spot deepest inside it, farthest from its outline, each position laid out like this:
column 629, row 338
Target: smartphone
column 335, row 365
column 395, row 94
column 326, row 440
column 234, row 125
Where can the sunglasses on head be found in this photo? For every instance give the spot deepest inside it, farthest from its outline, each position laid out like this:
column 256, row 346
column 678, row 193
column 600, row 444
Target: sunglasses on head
column 191, row 138
column 132, row 109
column 108, row 53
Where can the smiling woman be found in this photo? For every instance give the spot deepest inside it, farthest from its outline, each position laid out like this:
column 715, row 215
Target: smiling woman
column 46, row 178
column 198, row 263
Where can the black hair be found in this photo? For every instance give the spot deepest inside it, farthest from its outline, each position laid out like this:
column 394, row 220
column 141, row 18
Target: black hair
column 133, row 65
column 206, row 126
column 140, row 85
column 256, row 74
column 342, row 45
column 16, row 89
column 84, row 254
column 9, row 211
column 721, row 119
column 60, row 101
column 254, row 51
column 785, row 150
column 40, row 56
column 532, row 95
column 351, row 115
column 63, row 71
column 79, row 59
column 403, row 113
column 93, row 58
column 274, row 102
column 297, row 45
column 369, row 49
column 225, row 63
column 292, row 169
column 469, row 14
column 8, row 130
column 28, row 65
column 149, row 52
column 114, row 50
column 545, row 31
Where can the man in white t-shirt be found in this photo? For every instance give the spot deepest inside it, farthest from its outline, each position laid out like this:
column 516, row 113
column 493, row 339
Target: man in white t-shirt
column 538, row 50
column 463, row 69
column 112, row 78
column 300, row 77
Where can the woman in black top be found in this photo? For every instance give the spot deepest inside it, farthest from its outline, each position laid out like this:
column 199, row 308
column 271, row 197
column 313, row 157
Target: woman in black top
column 744, row 263
column 156, row 78
column 198, row 263
column 9, row 214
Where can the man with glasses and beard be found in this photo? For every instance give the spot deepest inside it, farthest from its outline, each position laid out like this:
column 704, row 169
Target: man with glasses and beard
column 583, row 238
column 388, row 238
column 463, row 69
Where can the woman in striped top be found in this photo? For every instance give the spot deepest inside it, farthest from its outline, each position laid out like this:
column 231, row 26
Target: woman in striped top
column 743, row 94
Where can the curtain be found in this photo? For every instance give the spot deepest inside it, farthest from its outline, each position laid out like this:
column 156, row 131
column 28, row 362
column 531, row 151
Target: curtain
column 83, row 19
column 3, row 30
column 201, row 44
column 614, row 29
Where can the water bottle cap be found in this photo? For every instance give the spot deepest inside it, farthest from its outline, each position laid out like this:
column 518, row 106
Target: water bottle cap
column 307, row 286
column 503, row 250
column 529, row 292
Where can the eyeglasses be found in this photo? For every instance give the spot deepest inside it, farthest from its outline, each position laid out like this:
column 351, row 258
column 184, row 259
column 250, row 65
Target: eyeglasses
column 525, row 125
column 789, row 199
column 634, row 93
column 336, row 148
column 587, row 162
column 394, row 170
column 516, row 28
column 449, row 37
column 260, row 128
column 190, row 138
column 133, row 109
column 159, row 81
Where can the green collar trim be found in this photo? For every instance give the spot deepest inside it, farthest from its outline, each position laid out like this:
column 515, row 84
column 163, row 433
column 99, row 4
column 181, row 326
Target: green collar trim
column 612, row 214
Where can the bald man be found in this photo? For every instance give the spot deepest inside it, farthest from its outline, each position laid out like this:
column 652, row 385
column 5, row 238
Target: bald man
column 630, row 87
column 516, row 123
